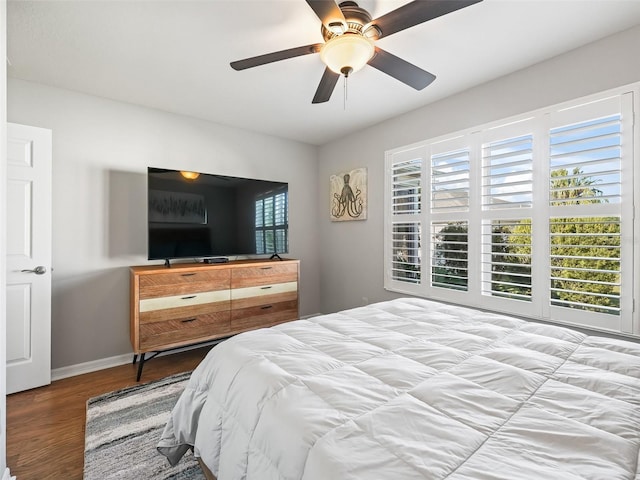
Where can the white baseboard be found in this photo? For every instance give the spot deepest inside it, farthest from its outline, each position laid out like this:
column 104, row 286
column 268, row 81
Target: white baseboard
column 101, row 364
column 92, row 366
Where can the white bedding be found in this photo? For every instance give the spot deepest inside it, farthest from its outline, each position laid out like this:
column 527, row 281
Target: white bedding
column 413, row 389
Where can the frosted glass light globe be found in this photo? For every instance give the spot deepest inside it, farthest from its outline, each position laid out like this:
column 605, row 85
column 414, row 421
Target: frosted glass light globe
column 347, row 53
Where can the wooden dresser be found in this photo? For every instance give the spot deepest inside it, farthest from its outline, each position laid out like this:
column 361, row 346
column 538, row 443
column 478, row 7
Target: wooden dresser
column 191, row 303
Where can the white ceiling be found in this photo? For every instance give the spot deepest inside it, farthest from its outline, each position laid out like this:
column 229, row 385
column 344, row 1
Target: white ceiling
column 174, row 55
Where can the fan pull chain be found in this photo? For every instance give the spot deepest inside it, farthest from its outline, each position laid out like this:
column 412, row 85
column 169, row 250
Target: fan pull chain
column 346, row 71
column 344, row 101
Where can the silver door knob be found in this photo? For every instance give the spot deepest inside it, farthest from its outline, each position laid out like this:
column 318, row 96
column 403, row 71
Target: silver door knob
column 39, row 270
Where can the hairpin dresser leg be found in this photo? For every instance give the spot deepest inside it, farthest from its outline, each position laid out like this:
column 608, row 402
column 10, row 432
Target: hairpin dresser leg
column 140, row 365
column 135, row 358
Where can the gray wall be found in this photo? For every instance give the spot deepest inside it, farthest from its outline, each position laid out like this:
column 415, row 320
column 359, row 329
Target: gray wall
column 101, row 150
column 352, row 252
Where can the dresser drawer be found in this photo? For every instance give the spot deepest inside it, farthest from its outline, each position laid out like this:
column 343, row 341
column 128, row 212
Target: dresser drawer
column 183, row 330
column 273, row 272
column 264, row 315
column 183, row 312
column 264, row 295
column 186, row 300
column 175, row 283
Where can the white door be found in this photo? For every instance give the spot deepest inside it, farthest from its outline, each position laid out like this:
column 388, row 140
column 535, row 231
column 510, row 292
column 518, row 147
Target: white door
column 28, row 257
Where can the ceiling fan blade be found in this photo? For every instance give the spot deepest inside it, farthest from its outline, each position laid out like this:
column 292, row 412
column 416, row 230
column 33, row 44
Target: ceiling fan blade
column 417, row 12
column 327, row 11
column 275, row 56
column 401, row 70
column 327, row 84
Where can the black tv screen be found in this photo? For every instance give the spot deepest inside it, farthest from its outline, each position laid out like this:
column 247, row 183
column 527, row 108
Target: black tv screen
column 214, row 215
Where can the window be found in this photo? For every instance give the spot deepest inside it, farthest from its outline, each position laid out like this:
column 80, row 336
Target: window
column 272, row 223
column 532, row 216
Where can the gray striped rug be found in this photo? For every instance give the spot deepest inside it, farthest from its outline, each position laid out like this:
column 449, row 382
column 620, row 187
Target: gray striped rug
column 123, row 429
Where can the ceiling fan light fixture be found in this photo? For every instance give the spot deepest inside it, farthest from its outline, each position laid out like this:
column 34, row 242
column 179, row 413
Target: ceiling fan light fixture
column 347, row 53
column 189, row 175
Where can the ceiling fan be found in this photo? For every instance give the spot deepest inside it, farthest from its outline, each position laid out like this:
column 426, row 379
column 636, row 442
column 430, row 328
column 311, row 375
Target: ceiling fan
column 350, row 35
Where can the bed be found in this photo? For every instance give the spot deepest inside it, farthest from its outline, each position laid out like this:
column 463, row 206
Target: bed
column 412, row 389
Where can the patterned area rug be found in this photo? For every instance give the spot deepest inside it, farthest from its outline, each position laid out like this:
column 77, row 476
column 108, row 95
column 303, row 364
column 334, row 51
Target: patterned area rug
column 123, row 429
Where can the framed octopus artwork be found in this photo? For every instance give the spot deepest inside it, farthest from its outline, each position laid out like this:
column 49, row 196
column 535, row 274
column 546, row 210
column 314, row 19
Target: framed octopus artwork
column 348, row 192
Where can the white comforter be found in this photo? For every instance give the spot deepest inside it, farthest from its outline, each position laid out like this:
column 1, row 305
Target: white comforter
column 413, row 389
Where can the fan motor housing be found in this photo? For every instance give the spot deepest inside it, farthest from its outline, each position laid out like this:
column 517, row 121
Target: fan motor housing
column 356, row 17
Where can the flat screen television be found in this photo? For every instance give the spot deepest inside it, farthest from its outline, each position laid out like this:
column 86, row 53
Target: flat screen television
column 213, row 216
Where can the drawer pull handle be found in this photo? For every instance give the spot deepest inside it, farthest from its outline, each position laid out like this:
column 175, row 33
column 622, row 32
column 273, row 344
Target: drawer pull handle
column 266, row 307
column 189, row 297
column 266, row 288
column 266, row 268
column 187, row 320
column 188, row 274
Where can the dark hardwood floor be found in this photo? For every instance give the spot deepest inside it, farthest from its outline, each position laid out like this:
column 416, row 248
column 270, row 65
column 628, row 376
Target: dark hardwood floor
column 45, row 426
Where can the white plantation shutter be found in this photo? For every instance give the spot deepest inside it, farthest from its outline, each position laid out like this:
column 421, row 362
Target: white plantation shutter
column 587, row 151
column 448, row 216
column 585, row 264
column 507, row 178
column 507, row 186
column 450, row 181
column 450, row 255
column 588, row 214
column 506, row 263
column 406, row 240
column 403, row 240
column 532, row 216
column 406, row 187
